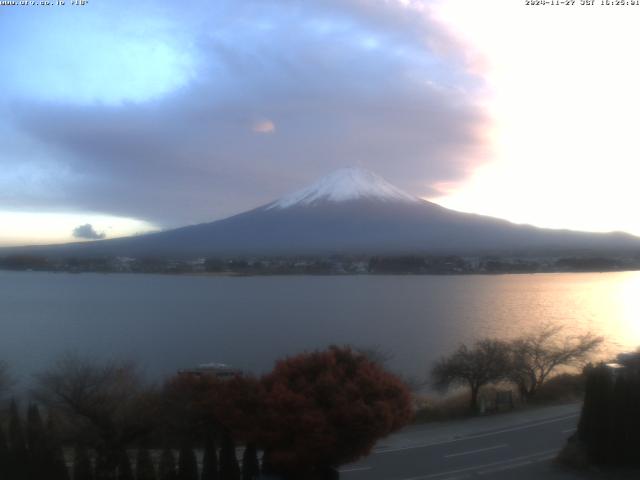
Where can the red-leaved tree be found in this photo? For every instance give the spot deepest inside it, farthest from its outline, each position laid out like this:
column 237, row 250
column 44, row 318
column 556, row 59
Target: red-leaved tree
column 199, row 408
column 238, row 404
column 187, row 407
column 327, row 408
column 312, row 413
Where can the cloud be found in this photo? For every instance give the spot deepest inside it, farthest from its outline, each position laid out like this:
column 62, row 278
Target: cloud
column 264, row 126
column 87, row 231
column 381, row 85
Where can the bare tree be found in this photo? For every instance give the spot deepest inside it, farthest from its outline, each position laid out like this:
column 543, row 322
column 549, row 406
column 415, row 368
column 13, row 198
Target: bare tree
column 535, row 357
column 106, row 403
column 376, row 353
column 486, row 362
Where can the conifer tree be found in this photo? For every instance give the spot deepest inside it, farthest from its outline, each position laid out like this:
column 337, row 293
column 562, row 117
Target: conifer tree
column 620, row 446
column 250, row 465
column 82, row 468
column 39, row 461
column 4, row 455
column 104, row 469
column 229, row 469
column 187, row 464
column 267, row 467
column 210, row 460
column 634, row 418
column 56, row 462
column 18, row 453
column 167, row 468
column 35, row 429
column 124, row 467
column 594, row 426
column 144, row 465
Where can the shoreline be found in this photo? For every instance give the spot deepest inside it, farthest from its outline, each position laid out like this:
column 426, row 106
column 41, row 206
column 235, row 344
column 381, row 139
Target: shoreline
column 330, row 274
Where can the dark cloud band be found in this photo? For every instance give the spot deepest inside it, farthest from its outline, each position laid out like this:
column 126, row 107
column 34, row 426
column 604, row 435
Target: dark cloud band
column 283, row 94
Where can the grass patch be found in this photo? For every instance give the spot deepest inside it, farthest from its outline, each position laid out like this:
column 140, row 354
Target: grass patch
column 562, row 388
column 437, row 409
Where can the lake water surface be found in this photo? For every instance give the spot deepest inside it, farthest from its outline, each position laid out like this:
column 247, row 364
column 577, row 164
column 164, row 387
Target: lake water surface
column 171, row 322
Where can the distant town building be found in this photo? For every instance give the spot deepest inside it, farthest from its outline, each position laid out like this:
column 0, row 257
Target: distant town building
column 218, row 370
column 197, row 265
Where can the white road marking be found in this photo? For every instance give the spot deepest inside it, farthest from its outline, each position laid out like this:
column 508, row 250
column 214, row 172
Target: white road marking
column 470, row 452
column 511, row 466
column 512, row 461
column 504, row 468
column 353, row 469
column 480, row 435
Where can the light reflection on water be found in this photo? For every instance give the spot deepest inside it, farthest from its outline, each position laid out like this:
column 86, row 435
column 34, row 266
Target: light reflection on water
column 169, row 322
column 606, row 304
column 624, row 305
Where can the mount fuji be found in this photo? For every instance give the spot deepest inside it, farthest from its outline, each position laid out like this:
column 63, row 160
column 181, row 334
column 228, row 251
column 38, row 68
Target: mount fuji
column 350, row 211
column 345, row 185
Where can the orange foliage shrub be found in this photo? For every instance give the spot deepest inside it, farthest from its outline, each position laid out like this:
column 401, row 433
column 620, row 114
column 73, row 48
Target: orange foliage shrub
column 314, row 411
column 328, row 408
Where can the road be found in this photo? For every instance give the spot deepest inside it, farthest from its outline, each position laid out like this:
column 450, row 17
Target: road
column 515, row 445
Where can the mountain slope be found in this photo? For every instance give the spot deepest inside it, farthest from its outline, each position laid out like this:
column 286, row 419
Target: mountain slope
column 351, row 211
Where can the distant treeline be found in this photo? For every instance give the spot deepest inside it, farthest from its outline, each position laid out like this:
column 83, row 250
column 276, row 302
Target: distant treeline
column 327, row 265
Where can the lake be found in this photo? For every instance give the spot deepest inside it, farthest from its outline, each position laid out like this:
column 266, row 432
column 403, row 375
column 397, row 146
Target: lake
column 171, row 322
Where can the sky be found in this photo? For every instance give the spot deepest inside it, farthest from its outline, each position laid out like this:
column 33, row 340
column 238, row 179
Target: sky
column 120, row 117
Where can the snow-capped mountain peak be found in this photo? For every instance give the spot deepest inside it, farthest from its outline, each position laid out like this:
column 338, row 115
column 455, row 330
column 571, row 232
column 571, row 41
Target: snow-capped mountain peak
column 351, row 183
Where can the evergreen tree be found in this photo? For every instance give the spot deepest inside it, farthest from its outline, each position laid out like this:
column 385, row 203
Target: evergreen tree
column 144, row 465
column 55, row 453
column 39, row 459
column 187, row 464
column 167, row 469
column 4, row 455
column 250, row 465
column 18, row 453
column 82, row 468
column 210, row 460
column 104, row 469
column 35, row 429
column 634, row 417
column 594, row 426
column 267, row 467
column 229, row 469
column 124, row 467
column 620, row 446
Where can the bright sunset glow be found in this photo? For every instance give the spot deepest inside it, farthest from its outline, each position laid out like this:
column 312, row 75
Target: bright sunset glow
column 33, row 228
column 564, row 98
column 626, row 300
